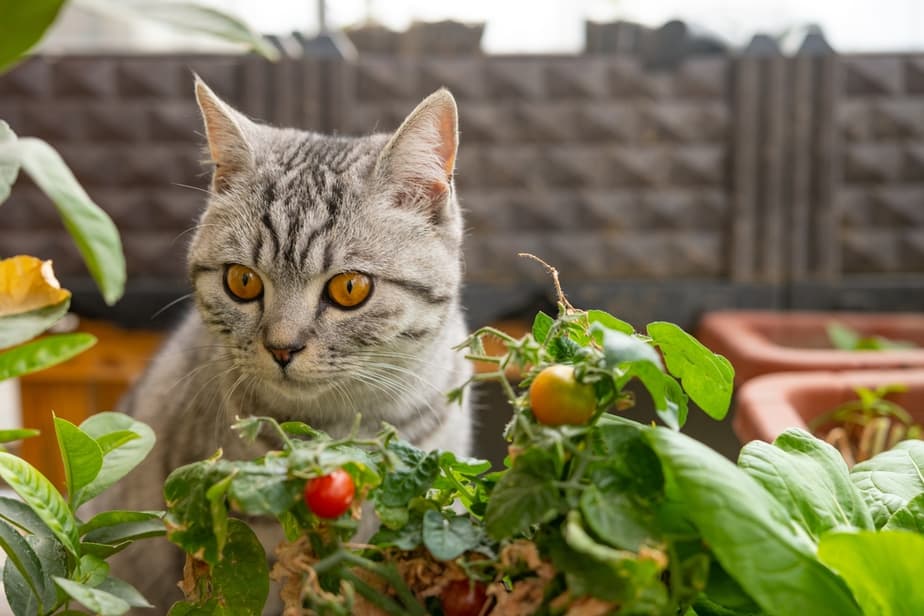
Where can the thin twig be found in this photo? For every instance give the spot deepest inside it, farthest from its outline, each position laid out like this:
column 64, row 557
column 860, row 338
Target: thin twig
column 554, row 272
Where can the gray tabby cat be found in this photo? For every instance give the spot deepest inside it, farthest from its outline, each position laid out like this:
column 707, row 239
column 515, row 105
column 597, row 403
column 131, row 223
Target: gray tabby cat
column 326, row 274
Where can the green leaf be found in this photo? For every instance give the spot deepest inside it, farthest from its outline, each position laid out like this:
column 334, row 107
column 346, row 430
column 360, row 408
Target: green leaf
column 449, row 537
column 525, row 495
column 22, row 517
column 620, row 348
column 17, row 434
column 189, row 514
column 9, row 156
column 124, row 591
column 617, row 519
column 99, row 601
column 884, row 569
column 91, row 228
column 91, row 570
column 810, row 479
column 22, row 26
column 749, row 532
column 81, row 456
column 891, row 479
column 209, row 608
column 145, row 525
column 708, row 378
column 609, row 321
column 541, row 326
column 467, row 467
column 264, row 490
column 119, row 461
column 42, row 497
column 670, row 403
column 241, row 577
column 219, row 509
column 407, row 537
column 114, row 440
column 17, row 328
column 21, row 555
column 42, row 353
column 53, row 559
column 910, row 517
column 191, row 17
column 842, row 337
column 400, row 486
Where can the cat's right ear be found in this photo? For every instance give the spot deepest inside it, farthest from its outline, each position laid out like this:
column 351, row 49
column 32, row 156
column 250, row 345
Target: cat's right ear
column 225, row 130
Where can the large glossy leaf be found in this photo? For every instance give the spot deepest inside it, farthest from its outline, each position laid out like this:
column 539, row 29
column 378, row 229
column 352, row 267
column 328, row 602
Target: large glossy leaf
column 23, row 25
column 118, row 461
column 17, row 328
column 891, row 479
column 749, row 532
column 22, row 517
column 115, row 527
column 93, row 231
column 810, row 479
column 707, row 377
column 99, row 601
column 43, row 353
column 53, row 559
column 42, row 497
column 17, row 434
column 19, row 554
column 884, row 570
column 910, row 517
column 82, row 458
column 191, row 17
column 9, row 157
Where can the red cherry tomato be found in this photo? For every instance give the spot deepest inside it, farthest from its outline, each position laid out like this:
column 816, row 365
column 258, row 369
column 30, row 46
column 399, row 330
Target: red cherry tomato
column 556, row 398
column 329, row 496
column 463, row 598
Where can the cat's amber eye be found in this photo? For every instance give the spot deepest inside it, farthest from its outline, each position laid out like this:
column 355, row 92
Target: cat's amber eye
column 243, row 283
column 349, row 289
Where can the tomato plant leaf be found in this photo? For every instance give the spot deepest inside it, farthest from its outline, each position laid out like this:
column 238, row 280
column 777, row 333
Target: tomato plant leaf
column 241, row 577
column 99, row 601
column 401, row 485
column 91, row 228
column 407, row 537
column 810, row 479
column 910, row 517
column 189, row 517
column 42, row 353
column 81, row 456
column 37, row 492
column 891, row 479
column 117, row 461
column 620, row 348
column 22, row 26
column 9, row 157
column 883, row 569
column 21, row 555
column 609, row 321
column 541, row 326
column 708, row 378
column 525, row 495
column 449, row 537
column 749, row 532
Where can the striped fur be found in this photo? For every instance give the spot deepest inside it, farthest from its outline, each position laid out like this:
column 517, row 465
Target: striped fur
column 299, row 207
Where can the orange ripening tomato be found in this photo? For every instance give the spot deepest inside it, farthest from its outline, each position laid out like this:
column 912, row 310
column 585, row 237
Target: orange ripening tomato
column 557, row 398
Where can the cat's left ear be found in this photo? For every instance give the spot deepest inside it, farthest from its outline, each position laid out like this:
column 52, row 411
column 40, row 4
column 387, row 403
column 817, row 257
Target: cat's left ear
column 419, row 159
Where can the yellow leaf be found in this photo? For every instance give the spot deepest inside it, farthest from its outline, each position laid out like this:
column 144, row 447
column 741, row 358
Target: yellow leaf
column 26, row 284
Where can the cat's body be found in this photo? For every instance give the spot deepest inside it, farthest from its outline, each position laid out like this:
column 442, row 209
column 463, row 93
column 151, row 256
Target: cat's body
column 326, row 275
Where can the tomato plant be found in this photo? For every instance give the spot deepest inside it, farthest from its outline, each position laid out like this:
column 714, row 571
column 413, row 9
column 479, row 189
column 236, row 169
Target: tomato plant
column 330, row 496
column 557, row 398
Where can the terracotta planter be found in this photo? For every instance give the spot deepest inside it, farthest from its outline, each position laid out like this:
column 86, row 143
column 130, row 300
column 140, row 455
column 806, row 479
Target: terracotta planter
column 763, row 342
column 768, row 405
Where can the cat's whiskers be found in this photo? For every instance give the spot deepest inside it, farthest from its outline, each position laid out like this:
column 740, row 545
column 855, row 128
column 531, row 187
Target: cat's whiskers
column 171, row 304
column 402, row 370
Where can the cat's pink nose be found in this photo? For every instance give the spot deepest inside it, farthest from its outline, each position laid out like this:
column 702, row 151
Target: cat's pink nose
column 283, row 355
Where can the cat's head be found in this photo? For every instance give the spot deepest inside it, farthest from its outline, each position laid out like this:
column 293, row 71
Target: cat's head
column 319, row 254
